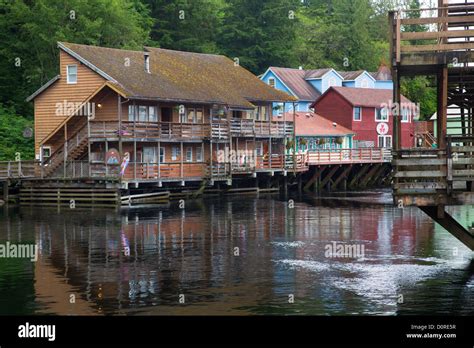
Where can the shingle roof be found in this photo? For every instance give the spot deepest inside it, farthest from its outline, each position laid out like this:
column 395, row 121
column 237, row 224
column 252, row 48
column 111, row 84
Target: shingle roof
column 316, row 73
column 370, row 97
column 311, row 124
column 179, row 76
column 294, row 79
column 350, row 75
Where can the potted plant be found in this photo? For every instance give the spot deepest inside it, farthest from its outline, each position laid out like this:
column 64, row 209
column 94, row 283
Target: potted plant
column 339, row 140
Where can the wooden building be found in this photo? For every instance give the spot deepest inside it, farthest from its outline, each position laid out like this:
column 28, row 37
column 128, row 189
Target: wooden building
column 365, row 111
column 157, row 116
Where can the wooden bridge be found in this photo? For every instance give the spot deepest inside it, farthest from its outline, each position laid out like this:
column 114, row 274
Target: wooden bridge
column 437, row 42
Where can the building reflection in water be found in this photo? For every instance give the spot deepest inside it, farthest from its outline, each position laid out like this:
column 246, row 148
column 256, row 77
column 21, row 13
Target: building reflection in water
column 237, row 256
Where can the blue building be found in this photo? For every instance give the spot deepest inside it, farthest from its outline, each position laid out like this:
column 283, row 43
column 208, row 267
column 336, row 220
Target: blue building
column 309, row 85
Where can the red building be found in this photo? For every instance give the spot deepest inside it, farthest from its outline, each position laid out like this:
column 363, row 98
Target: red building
column 365, row 111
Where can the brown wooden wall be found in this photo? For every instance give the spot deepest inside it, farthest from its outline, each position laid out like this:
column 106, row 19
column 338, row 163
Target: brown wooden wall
column 46, row 119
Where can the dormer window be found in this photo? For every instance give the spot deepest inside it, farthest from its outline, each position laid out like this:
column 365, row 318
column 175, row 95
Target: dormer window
column 364, row 84
column 332, row 82
column 71, row 71
column 271, row 82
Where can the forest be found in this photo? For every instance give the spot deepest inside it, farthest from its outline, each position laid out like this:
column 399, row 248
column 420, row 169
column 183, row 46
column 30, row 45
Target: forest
column 342, row 34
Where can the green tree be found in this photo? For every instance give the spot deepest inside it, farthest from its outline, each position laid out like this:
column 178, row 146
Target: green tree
column 13, row 135
column 260, row 33
column 29, row 31
column 186, row 25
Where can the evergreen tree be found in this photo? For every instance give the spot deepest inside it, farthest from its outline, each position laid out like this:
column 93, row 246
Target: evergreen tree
column 260, row 33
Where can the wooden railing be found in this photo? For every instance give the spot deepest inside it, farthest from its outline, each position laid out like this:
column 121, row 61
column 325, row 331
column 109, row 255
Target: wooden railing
column 437, row 36
column 18, row 169
column 147, row 130
column 250, row 128
column 435, row 171
column 361, row 155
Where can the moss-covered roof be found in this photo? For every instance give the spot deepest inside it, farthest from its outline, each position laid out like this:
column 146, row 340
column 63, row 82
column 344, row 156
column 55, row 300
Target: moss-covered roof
column 179, row 76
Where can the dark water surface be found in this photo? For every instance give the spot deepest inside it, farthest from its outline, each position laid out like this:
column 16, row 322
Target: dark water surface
column 410, row 266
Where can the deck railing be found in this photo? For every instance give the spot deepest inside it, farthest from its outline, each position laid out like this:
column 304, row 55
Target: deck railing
column 361, row 155
column 18, row 169
column 147, row 130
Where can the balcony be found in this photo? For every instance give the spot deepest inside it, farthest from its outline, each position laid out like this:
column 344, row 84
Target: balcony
column 148, row 130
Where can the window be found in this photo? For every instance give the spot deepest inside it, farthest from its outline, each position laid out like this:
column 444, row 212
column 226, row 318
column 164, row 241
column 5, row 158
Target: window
column 152, row 114
column 142, row 116
column 405, row 115
column 199, row 116
column 131, row 112
column 71, row 73
column 271, row 82
column 278, row 108
column 364, row 83
column 45, row 152
column 331, row 82
column 357, row 113
column 175, row 153
column 259, row 148
column 381, row 114
column 189, row 154
column 162, row 154
column 191, row 116
column 199, row 154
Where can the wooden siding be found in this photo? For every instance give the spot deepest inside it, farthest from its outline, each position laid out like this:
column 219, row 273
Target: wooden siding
column 46, row 119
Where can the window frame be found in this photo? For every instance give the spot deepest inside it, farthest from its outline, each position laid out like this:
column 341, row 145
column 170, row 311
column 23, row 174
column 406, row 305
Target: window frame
column 378, row 111
column 189, row 150
column 354, row 113
column 68, row 74
column 270, row 79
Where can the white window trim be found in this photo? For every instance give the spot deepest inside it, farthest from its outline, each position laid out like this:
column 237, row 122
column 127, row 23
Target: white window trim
column 353, row 113
column 408, row 118
column 67, row 74
column 376, row 112
column 41, row 152
column 384, row 136
column 274, row 82
column 199, row 154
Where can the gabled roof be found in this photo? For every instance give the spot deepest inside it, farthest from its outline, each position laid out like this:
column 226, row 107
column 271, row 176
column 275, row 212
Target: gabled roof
column 353, row 75
column 316, row 73
column 311, row 124
column 369, row 97
column 42, row 88
column 177, row 76
column 294, row 80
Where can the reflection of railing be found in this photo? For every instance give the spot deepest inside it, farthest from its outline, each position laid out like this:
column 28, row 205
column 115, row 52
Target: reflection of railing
column 361, row 155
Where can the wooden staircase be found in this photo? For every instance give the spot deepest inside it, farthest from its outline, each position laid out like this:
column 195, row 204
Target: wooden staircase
column 71, row 150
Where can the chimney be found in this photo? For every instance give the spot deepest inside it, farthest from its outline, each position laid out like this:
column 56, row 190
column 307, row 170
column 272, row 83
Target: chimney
column 146, row 55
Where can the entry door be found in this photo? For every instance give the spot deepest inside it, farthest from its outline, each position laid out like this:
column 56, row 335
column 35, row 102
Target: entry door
column 385, row 141
column 149, row 154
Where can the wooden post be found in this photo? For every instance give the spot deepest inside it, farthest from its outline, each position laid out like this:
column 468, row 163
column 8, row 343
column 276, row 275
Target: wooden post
column 159, row 159
column 135, row 157
column 89, row 146
column 65, row 149
column 397, row 125
column 5, row 191
column 442, row 107
column 119, row 105
column 294, row 138
column 182, row 157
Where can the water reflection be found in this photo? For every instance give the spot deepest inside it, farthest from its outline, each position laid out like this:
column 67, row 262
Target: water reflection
column 235, row 256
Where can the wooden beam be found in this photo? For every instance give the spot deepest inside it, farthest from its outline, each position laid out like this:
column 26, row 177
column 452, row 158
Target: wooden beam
column 435, row 34
column 439, row 47
column 444, row 19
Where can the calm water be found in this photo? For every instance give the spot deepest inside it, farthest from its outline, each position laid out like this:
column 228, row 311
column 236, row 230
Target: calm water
column 192, row 252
